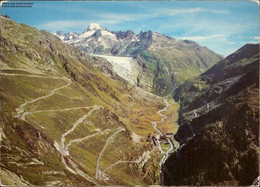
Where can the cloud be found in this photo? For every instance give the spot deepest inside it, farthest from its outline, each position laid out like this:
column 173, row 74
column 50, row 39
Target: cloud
column 73, row 25
column 174, row 12
column 108, row 19
column 62, row 25
column 120, row 18
column 105, row 19
column 217, row 26
column 214, row 37
column 255, row 37
column 217, row 11
column 201, row 38
column 157, row 13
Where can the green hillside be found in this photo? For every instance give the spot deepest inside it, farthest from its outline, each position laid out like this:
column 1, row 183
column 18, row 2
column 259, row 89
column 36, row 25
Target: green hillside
column 68, row 119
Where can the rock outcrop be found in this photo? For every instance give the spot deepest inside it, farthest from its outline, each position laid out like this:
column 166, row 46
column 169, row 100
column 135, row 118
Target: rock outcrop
column 219, row 124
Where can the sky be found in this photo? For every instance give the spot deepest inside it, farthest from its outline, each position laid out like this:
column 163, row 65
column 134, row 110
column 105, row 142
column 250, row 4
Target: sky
column 222, row 26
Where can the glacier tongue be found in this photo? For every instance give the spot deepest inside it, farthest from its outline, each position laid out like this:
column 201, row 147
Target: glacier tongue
column 123, row 62
column 125, row 67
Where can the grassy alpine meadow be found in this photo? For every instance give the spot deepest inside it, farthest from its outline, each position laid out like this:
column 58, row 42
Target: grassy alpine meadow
column 61, row 116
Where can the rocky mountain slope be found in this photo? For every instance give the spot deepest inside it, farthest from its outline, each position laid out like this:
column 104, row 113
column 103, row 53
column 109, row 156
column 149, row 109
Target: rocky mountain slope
column 160, row 63
column 68, row 119
column 219, row 124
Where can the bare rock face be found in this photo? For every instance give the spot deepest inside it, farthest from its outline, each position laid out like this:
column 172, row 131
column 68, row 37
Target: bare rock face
column 125, row 35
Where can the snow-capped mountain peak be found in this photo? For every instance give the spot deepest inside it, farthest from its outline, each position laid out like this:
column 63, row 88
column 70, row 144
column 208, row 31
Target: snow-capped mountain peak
column 93, row 26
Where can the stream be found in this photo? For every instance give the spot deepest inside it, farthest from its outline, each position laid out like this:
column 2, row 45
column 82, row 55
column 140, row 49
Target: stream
column 173, row 143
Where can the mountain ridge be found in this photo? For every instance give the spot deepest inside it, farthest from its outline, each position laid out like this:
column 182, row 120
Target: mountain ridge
column 219, row 124
column 164, row 62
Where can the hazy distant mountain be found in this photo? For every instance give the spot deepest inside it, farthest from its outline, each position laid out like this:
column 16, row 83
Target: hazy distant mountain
column 219, row 124
column 162, row 62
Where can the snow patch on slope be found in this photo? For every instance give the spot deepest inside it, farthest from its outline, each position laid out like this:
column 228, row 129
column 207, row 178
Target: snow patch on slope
column 86, row 34
column 106, row 33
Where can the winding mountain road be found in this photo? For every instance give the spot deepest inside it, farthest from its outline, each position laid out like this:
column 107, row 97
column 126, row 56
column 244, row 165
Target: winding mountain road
column 173, row 143
column 85, row 138
column 21, row 114
column 207, row 104
column 104, row 148
column 166, row 154
column 35, row 76
column 77, row 170
column 64, row 149
column 144, row 157
column 191, row 128
column 54, row 110
column 176, row 143
column 195, row 114
column 22, row 117
column 21, row 107
column 118, row 162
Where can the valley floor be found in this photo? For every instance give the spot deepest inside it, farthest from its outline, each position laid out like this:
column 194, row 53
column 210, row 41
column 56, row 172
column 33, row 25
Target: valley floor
column 98, row 154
